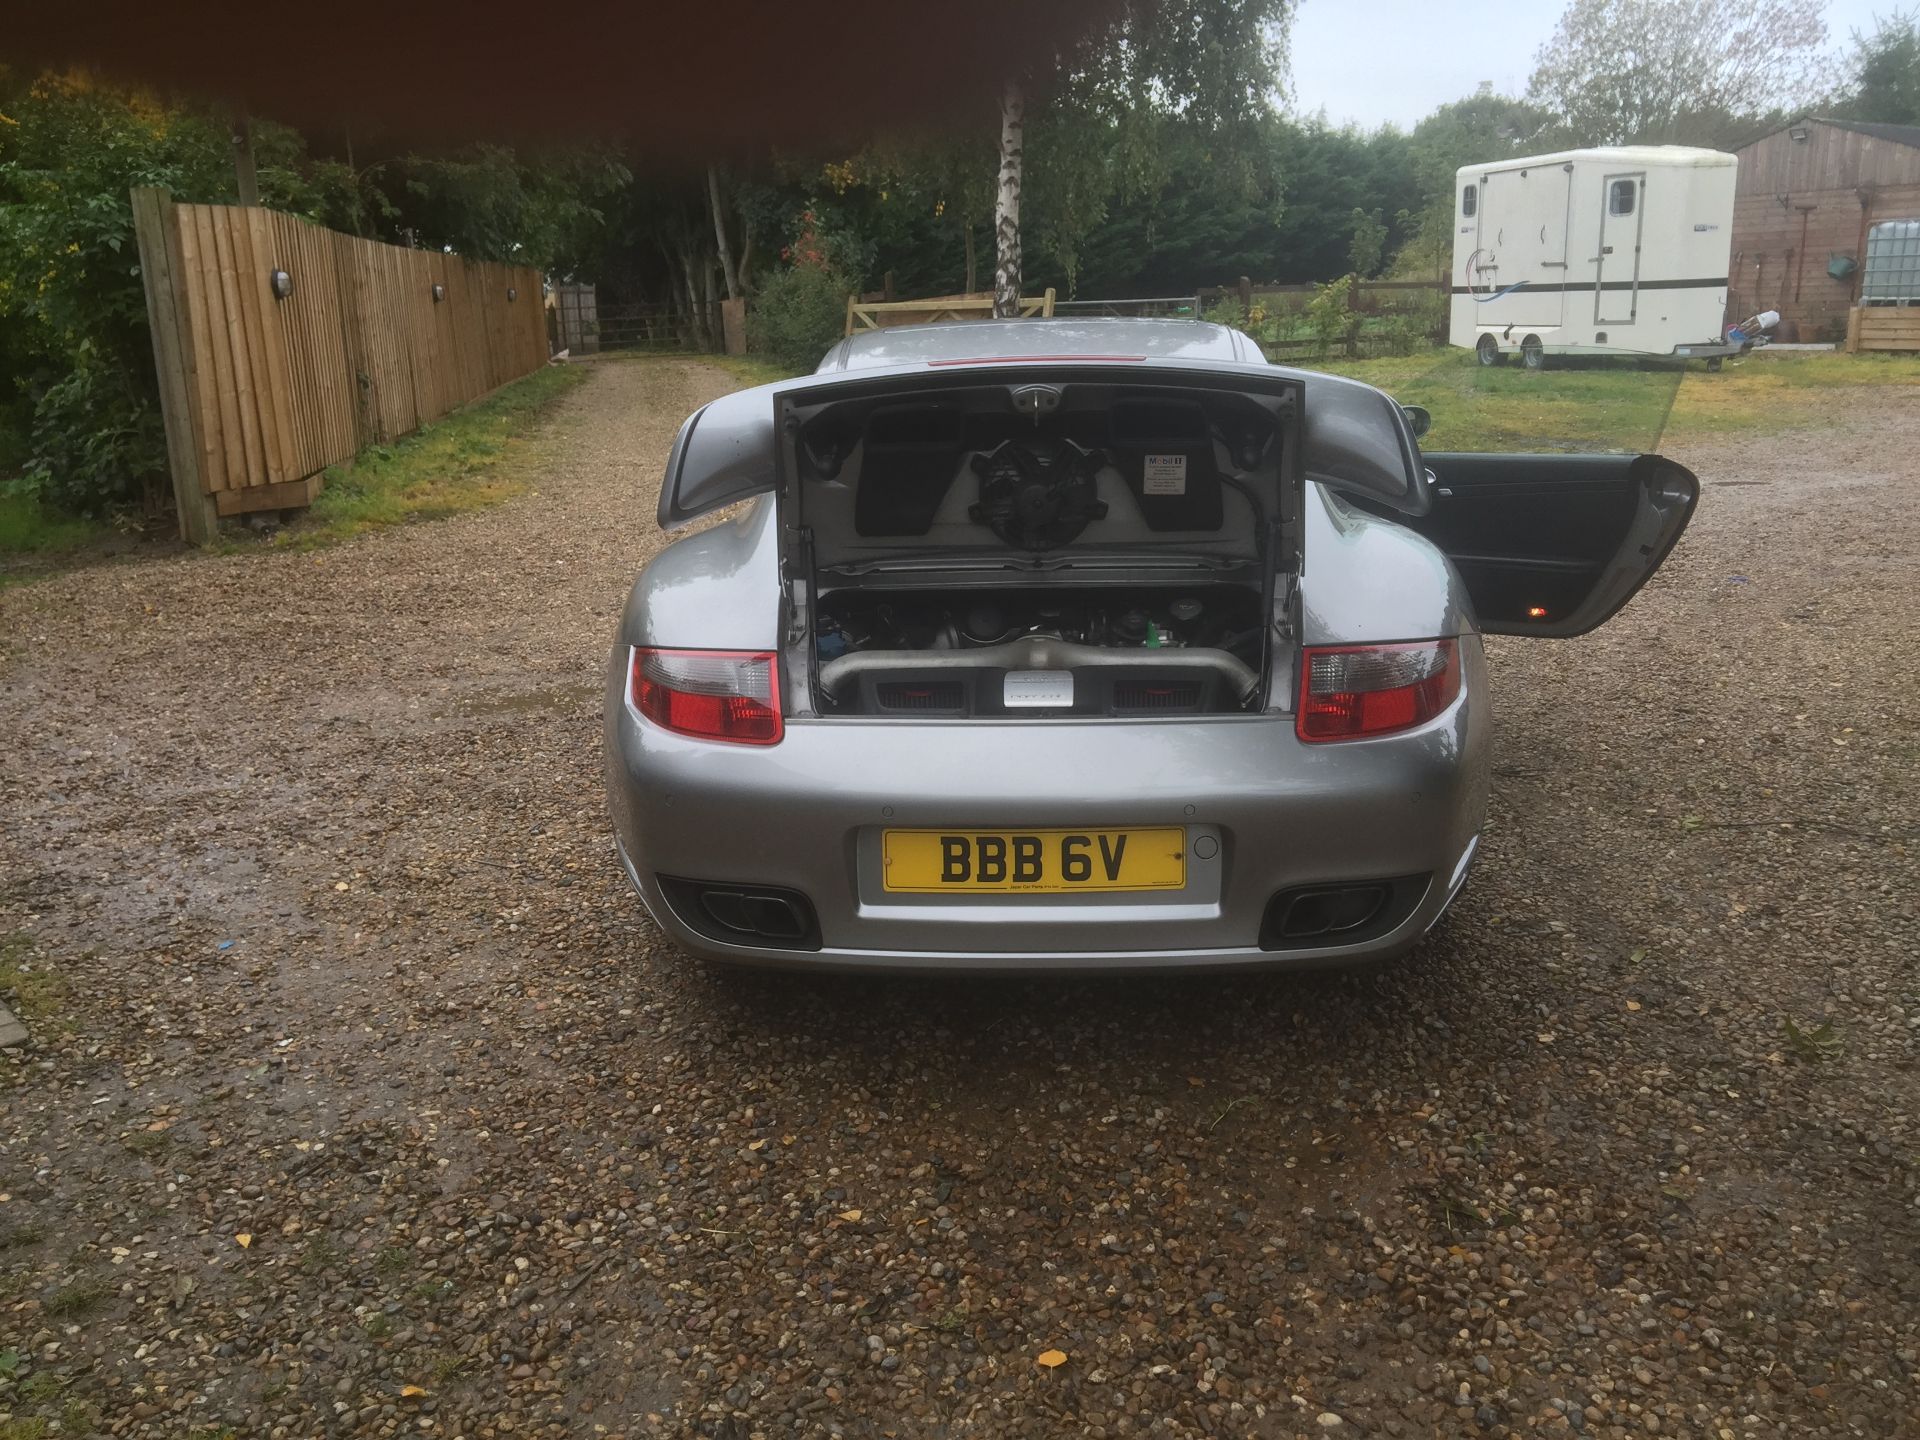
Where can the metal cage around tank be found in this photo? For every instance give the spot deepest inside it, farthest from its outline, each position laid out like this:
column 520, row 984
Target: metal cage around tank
column 1892, row 264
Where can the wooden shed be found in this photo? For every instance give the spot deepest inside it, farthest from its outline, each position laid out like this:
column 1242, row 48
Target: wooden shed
column 1806, row 194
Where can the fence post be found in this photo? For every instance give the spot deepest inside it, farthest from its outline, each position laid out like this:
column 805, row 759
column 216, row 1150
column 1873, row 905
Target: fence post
column 155, row 231
column 1246, row 294
column 1353, row 316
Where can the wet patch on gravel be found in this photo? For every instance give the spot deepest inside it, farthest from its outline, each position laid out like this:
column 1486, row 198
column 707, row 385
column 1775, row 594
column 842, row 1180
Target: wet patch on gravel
column 364, row 1100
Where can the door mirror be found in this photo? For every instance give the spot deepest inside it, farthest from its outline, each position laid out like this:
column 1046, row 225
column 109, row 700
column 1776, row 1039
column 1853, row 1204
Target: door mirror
column 1420, row 418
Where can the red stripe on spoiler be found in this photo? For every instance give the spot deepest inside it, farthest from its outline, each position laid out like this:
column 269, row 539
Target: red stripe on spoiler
column 1024, row 359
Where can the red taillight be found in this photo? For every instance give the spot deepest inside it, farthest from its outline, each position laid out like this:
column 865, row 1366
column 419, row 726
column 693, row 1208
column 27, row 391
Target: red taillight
column 1352, row 691
column 714, row 694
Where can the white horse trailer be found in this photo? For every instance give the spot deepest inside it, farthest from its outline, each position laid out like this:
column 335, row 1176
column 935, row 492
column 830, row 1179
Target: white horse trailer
column 1614, row 251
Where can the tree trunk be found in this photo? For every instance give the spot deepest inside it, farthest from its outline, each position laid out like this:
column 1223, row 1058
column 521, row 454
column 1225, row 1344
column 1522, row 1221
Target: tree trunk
column 746, row 253
column 245, row 184
column 1006, row 204
column 710, row 307
column 353, row 174
column 696, row 322
column 720, row 234
column 972, row 267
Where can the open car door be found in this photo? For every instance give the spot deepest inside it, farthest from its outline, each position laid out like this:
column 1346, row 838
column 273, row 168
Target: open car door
column 1554, row 544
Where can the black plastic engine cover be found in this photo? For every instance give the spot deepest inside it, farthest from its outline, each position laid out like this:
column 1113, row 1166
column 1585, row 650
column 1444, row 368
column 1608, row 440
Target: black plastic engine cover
column 1038, row 494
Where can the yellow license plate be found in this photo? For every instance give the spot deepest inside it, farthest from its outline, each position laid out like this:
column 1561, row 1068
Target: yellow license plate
column 941, row 862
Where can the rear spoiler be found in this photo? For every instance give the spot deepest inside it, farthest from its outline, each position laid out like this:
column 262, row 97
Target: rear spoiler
column 1355, row 438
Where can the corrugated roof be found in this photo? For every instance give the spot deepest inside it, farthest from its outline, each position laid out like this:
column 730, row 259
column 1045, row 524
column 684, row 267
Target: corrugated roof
column 1898, row 134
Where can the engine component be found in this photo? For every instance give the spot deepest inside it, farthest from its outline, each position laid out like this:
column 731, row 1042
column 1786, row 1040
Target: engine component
column 1036, row 495
column 1130, row 650
column 986, row 623
column 1034, row 652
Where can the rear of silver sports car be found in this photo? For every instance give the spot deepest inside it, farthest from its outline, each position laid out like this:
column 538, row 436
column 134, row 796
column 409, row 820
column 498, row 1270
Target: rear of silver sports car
column 1017, row 667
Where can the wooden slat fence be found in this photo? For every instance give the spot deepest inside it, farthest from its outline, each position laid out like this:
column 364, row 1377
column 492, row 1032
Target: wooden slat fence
column 262, row 392
column 1883, row 327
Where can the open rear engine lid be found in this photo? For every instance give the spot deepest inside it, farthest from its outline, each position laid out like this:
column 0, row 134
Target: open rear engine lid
column 1337, row 432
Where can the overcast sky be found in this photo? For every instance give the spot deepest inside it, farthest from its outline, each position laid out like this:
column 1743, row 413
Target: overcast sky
column 1377, row 62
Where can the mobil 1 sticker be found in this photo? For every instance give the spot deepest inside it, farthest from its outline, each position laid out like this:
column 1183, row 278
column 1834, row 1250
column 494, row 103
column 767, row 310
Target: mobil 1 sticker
column 1166, row 475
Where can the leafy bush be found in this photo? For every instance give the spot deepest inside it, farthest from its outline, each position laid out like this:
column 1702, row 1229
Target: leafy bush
column 798, row 313
column 1227, row 310
column 800, row 309
column 1328, row 315
column 96, row 429
column 73, row 316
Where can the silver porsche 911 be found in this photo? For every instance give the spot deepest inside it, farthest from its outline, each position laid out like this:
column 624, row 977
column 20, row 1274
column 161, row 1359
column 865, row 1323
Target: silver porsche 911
column 1052, row 645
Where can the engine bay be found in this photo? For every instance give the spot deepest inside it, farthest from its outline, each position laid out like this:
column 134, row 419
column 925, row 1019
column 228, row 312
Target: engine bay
column 1037, row 468
column 1067, row 650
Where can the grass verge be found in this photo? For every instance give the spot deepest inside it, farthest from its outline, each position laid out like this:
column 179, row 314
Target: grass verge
column 468, row 460
column 29, row 528
column 1613, row 405
column 33, row 990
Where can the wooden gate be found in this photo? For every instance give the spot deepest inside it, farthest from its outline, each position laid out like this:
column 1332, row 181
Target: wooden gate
column 878, row 314
column 283, row 347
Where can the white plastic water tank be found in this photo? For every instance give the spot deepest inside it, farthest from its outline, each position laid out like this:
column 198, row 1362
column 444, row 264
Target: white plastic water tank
column 1892, row 265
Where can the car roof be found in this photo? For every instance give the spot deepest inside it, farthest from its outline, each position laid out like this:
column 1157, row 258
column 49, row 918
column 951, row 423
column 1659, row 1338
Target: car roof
column 1077, row 339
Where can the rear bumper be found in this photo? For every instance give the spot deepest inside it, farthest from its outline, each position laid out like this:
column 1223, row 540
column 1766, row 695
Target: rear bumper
column 806, row 815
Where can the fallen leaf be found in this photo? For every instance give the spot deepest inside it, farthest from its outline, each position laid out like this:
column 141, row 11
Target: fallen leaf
column 413, row 1392
column 243, row 1240
column 1052, row 1358
column 849, row 1215
column 1633, row 1004
column 756, row 1145
column 340, row 885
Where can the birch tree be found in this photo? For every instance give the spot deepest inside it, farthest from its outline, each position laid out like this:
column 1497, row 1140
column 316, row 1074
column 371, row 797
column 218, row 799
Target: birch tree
column 1006, row 202
column 1218, row 65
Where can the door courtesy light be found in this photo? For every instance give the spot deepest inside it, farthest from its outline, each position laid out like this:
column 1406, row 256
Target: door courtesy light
column 1350, row 692
column 1536, row 612
column 713, row 694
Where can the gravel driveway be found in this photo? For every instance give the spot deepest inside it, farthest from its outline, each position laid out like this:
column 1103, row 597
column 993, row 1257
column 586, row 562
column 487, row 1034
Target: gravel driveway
column 372, row 1104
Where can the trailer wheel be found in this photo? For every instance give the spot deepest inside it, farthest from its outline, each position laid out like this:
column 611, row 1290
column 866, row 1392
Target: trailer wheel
column 1715, row 363
column 1533, row 354
column 1489, row 351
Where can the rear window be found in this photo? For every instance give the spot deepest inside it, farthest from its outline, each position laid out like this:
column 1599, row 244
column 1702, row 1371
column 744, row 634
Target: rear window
column 1469, row 200
column 1620, row 197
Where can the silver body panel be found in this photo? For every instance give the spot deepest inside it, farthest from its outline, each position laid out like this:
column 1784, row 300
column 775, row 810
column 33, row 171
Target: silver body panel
column 807, row 813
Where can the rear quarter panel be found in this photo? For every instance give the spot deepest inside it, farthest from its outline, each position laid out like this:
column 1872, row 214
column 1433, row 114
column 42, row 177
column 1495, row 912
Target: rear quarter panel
column 1366, row 579
column 717, row 589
